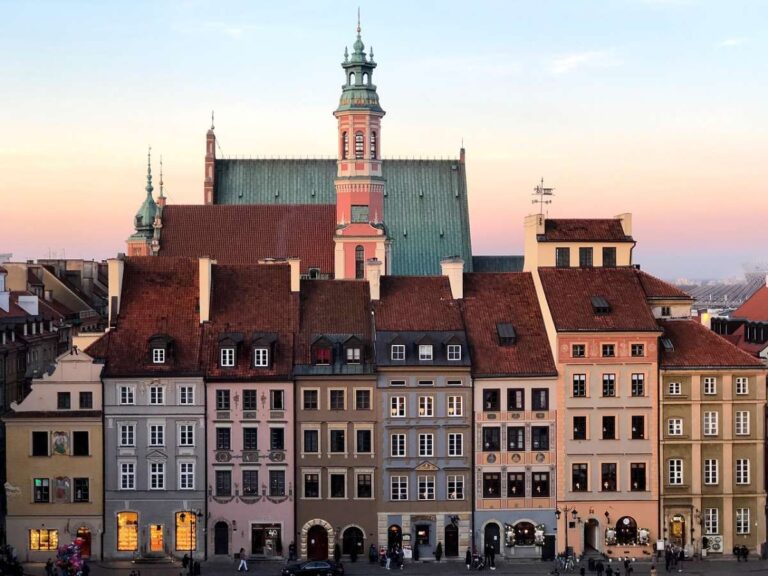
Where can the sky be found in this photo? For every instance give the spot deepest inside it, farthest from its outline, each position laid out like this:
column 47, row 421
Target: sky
column 654, row 107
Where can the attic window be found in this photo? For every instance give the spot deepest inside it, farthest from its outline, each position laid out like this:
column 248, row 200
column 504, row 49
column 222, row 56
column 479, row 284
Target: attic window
column 397, row 352
column 227, row 357
column 454, row 352
column 158, row 355
column 507, row 334
column 160, row 348
column 425, row 352
column 261, row 357
column 322, row 351
column 600, row 305
column 667, row 344
column 353, row 354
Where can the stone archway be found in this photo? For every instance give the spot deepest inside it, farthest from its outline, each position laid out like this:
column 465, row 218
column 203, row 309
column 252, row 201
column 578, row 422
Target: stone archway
column 322, row 542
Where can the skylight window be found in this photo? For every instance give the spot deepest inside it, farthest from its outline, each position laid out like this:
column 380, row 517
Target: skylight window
column 600, row 305
column 506, row 333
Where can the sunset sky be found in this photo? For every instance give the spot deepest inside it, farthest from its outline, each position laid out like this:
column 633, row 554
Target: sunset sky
column 655, row 107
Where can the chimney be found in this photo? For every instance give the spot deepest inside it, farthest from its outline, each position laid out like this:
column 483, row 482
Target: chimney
column 373, row 274
column 626, row 222
column 454, row 268
column 5, row 296
column 206, row 284
column 115, row 270
column 29, row 304
column 295, row 264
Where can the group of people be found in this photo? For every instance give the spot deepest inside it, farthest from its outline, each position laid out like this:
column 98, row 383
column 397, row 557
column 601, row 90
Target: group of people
column 394, row 554
column 673, row 558
column 477, row 562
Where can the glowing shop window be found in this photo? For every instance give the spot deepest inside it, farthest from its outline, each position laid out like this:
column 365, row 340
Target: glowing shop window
column 156, row 537
column 185, row 531
column 128, row 531
column 43, row 539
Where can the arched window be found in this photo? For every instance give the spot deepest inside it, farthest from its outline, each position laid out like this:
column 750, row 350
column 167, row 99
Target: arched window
column 524, row 534
column 351, row 78
column 344, row 145
column 373, row 145
column 359, row 145
column 359, row 262
column 626, row 531
column 365, row 78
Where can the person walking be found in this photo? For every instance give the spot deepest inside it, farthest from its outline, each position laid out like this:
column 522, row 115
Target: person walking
column 653, row 569
column 668, row 558
column 468, row 559
column 599, row 567
column 243, row 567
column 389, row 558
column 49, row 567
column 491, row 555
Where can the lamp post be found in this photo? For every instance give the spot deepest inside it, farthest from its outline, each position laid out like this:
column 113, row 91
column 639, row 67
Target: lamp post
column 564, row 512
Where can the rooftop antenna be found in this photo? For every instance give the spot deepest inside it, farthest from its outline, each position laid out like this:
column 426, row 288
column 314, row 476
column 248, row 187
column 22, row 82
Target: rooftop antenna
column 212, row 126
column 542, row 194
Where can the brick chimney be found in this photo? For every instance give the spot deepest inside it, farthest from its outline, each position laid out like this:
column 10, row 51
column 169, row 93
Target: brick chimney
column 454, row 268
column 295, row 264
column 373, row 274
column 115, row 271
column 206, row 286
column 626, row 222
column 30, row 304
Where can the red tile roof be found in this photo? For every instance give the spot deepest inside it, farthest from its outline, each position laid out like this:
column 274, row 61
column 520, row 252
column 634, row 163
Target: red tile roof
column 159, row 296
column 656, row 288
column 569, row 293
column 490, row 299
column 247, row 299
column 755, row 308
column 737, row 339
column 418, row 304
column 695, row 346
column 239, row 234
column 583, row 230
column 332, row 307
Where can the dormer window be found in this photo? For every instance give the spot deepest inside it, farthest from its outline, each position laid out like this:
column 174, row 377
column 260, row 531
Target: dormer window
column 353, row 355
column 506, row 333
column 158, row 355
column 263, row 349
column 600, row 305
column 454, row 352
column 353, row 348
column 228, row 345
column 160, row 347
column 322, row 352
column 425, row 352
column 397, row 352
column 261, row 357
column 227, row 357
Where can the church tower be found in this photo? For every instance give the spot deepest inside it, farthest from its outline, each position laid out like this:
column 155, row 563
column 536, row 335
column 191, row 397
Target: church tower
column 360, row 231
column 140, row 242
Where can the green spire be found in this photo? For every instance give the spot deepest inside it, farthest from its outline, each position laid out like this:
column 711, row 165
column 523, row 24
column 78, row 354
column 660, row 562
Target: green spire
column 149, row 187
column 145, row 217
column 359, row 91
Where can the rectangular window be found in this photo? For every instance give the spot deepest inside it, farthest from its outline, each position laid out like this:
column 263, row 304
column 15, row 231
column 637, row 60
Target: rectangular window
column 338, row 441
column 426, row 406
column 711, row 472
column 637, row 477
column 63, row 401
column 540, row 486
column 80, row 444
column 223, row 483
column 397, row 406
column 515, row 399
column 338, row 485
column 42, row 490
column 491, row 400
column 742, row 471
column 455, row 406
column 250, row 439
column 425, row 351
column 364, row 441
column 675, row 472
column 609, row 350
column 540, row 399
column 491, row 439
column 311, row 441
column 608, row 476
column 426, row 445
column 666, row 311
column 337, row 400
column 86, row 400
column 742, row 423
column 515, row 485
column 250, row 482
column 310, row 401
column 222, row 400
column 127, row 531
column 455, row 487
column 127, row 476
column 157, row 475
column 711, row 521
column 277, row 438
column 609, row 427
column 360, row 212
column 158, row 355
column 515, row 438
column 127, row 395
column 578, row 351
column 710, row 423
column 186, row 475
column 540, row 438
column 454, row 352
column 638, row 350
column 186, row 434
column 562, row 257
column 261, row 357
column 585, row 257
column 397, row 352
column 426, row 383
column 426, row 487
column 609, row 385
column 43, row 539
column 674, row 388
column 579, row 427
column 609, row 256
column 742, row 521
column 186, row 395
column 397, row 445
column 579, row 477
column 364, row 486
column 742, row 386
column 638, row 427
column 398, row 487
column 223, row 439
column 455, row 444
column 312, row 485
column 638, row 385
column 276, row 400
column 362, row 399
column 675, row 427
column 491, row 485
column 353, row 355
column 227, row 357
column 579, row 385
column 710, row 385
column 157, row 434
column 250, row 398
column 81, row 490
column 277, row 482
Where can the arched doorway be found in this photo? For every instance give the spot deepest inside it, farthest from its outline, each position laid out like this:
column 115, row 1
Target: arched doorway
column 353, row 539
column 451, row 541
column 626, row 531
column 492, row 537
column 394, row 536
column 677, row 530
column 591, row 535
column 85, row 548
column 525, row 534
column 317, row 543
column 220, row 538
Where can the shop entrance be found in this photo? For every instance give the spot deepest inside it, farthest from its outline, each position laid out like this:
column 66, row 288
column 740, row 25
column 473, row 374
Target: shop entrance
column 156, row 543
column 451, row 541
column 317, row 543
column 265, row 540
column 85, row 548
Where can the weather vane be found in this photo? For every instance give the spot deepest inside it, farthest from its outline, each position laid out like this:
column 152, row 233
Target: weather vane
column 542, row 194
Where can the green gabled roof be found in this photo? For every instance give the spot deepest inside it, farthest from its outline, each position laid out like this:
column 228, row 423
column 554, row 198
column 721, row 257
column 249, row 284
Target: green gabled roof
column 425, row 207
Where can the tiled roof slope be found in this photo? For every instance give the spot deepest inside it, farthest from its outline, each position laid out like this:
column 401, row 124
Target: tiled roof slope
column 159, row 296
column 497, row 263
column 332, row 307
column 245, row 234
column 569, row 293
column 756, row 308
column 490, row 299
column 425, row 207
column 737, row 339
column 656, row 288
column 696, row 346
column 583, row 230
column 249, row 299
column 417, row 304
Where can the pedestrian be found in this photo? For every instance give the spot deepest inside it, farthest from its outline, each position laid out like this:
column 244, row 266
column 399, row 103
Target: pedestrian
column 86, row 569
column 243, row 567
column 668, row 558
column 468, row 559
column 582, row 571
column 680, row 558
column 599, row 567
column 609, row 571
column 389, row 558
column 744, row 552
column 372, row 554
column 49, row 567
column 292, row 551
column 626, row 567
column 400, row 557
column 653, row 569
column 491, row 556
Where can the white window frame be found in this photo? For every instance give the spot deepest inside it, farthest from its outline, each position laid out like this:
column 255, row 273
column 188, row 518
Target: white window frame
column 261, row 357
column 156, row 472
column 126, row 395
column 675, row 472
column 227, row 357
column 397, row 383
column 426, row 445
column 156, row 434
column 426, row 352
column 711, row 472
column 454, row 352
column 126, row 471
column 743, row 520
column 455, row 406
column 455, row 444
column 743, row 475
column 455, row 481
column 742, row 422
column 675, row 427
column 426, row 406
column 674, row 389
column 353, row 355
column 361, row 429
column 126, row 429
column 711, row 521
column 398, row 488
column 186, row 434
column 710, row 385
column 397, row 352
column 398, row 407
column 398, row 445
column 157, row 395
column 426, row 486
column 158, row 355
column 742, row 386
column 186, row 475
column 711, row 425
column 186, row 395
column 361, row 472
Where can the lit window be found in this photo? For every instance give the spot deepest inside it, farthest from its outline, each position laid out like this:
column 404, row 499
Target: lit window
column 322, row 355
column 261, row 357
column 127, row 531
column 43, row 539
column 158, row 355
column 454, row 352
column 227, row 357
column 425, row 352
column 398, row 352
column 455, row 406
column 185, row 531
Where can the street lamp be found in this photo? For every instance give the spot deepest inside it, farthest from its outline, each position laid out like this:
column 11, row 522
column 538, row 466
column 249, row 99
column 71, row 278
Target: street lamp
column 194, row 517
column 565, row 511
